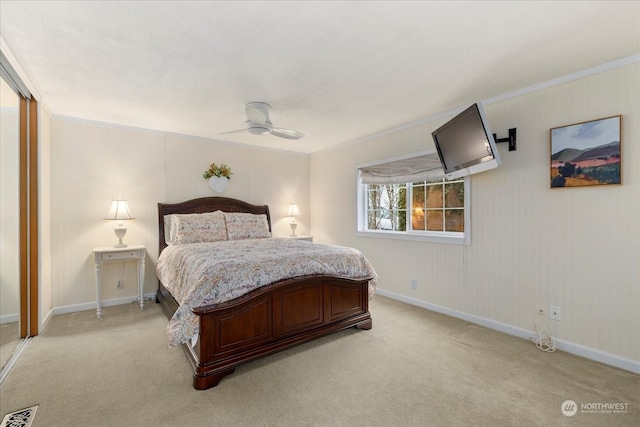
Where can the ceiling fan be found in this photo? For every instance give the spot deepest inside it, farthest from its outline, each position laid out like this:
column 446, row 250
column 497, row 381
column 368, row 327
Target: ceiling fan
column 258, row 123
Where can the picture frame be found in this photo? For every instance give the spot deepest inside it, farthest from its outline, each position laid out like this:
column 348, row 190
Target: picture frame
column 586, row 153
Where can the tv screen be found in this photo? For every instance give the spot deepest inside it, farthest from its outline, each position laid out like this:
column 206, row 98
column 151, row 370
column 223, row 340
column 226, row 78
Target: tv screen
column 465, row 144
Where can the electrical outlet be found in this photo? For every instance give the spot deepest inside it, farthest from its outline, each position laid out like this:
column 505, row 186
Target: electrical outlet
column 554, row 312
column 414, row 284
column 120, row 284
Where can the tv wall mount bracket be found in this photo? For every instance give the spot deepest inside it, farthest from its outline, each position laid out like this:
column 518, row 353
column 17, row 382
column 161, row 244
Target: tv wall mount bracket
column 511, row 139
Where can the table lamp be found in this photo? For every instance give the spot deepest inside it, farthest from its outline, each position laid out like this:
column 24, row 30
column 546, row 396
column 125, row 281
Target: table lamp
column 119, row 212
column 293, row 213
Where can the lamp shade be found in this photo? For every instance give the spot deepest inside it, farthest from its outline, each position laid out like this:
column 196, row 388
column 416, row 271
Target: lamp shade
column 119, row 211
column 293, row 211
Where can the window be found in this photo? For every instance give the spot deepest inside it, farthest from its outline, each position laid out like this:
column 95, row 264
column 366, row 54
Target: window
column 387, row 207
column 438, row 206
column 426, row 207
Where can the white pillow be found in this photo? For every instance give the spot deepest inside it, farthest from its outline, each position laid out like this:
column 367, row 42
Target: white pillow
column 181, row 229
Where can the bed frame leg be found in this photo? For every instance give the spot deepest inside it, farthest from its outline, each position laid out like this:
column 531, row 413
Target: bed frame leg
column 366, row 325
column 203, row 383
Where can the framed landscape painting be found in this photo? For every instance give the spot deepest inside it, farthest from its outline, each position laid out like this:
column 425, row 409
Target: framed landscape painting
column 586, row 153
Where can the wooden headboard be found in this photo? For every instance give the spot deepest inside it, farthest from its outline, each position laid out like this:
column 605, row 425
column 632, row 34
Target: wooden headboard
column 206, row 204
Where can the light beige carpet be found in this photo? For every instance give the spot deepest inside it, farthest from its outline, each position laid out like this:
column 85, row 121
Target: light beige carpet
column 414, row 368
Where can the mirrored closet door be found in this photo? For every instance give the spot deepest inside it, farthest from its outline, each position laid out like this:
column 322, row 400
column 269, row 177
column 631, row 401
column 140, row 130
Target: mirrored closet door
column 9, row 222
column 19, row 220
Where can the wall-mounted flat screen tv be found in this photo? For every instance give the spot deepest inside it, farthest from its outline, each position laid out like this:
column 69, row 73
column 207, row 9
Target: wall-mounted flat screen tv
column 465, row 144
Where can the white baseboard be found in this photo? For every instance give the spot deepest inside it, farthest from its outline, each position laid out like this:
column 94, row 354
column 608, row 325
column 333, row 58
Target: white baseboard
column 9, row 318
column 107, row 303
column 569, row 347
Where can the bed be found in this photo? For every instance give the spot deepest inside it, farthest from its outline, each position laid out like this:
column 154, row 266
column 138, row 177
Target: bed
column 224, row 327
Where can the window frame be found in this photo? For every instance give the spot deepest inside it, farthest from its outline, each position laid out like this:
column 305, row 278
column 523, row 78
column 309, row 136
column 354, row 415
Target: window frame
column 447, row 237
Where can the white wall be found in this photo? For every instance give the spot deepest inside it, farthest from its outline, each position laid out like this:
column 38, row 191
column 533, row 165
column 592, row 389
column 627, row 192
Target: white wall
column 260, row 176
column 44, row 214
column 91, row 163
column 531, row 246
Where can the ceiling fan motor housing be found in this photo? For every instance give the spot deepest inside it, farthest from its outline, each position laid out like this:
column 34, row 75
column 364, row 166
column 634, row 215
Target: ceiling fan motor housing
column 259, row 128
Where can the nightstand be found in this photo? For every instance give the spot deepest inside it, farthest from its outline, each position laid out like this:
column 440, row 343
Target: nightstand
column 307, row 238
column 109, row 253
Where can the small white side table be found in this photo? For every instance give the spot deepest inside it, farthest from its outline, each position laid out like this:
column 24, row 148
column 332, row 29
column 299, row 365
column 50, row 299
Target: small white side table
column 109, row 253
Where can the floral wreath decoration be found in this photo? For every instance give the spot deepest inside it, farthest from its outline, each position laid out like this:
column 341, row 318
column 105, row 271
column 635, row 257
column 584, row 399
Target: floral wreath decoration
column 219, row 171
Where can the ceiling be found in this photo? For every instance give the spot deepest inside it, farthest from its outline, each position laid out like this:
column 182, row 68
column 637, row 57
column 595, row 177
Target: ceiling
column 335, row 71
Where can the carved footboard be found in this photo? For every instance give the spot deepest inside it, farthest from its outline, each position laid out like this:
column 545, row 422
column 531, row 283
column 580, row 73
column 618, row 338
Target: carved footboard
column 270, row 319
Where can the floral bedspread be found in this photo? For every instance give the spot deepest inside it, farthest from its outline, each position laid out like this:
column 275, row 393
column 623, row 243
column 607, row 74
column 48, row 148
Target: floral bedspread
column 200, row 274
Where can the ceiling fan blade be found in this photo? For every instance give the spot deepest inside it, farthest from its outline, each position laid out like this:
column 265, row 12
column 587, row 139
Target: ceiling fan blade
column 286, row 133
column 232, row 131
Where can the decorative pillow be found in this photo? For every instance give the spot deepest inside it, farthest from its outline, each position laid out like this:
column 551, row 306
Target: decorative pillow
column 195, row 228
column 246, row 226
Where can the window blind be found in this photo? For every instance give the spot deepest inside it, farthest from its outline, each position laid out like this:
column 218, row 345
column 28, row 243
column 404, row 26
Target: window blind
column 421, row 168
